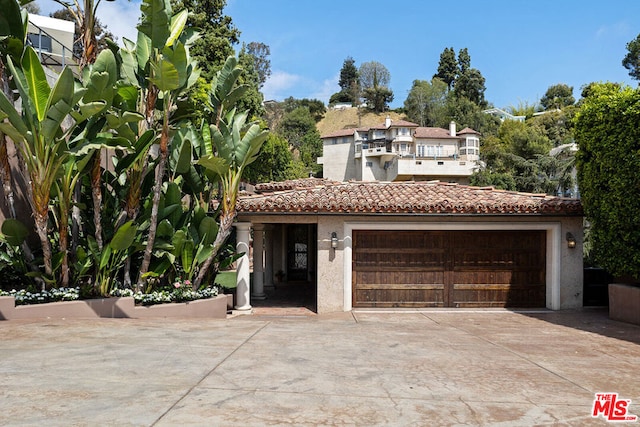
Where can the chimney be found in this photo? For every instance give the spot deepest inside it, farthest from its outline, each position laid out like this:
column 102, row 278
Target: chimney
column 387, row 122
column 452, row 128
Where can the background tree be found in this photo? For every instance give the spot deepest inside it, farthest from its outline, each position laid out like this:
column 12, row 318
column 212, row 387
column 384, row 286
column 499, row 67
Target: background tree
column 464, row 61
column 218, row 34
column 426, row 102
column 374, row 81
column 275, row 162
column 295, row 125
column 349, row 83
column 557, row 97
column 315, row 106
column 447, row 67
column 631, row 60
column 252, row 99
column 261, row 63
column 608, row 135
column 470, row 85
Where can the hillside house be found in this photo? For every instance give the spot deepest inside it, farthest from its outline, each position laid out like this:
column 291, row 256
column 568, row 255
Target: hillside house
column 398, row 150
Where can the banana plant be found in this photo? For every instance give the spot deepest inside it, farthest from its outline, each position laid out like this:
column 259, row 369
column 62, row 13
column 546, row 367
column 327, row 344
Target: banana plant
column 39, row 134
column 13, row 33
column 237, row 145
column 171, row 72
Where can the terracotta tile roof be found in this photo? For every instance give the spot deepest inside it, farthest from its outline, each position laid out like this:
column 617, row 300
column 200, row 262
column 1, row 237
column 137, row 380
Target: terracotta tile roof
column 403, row 123
column 322, row 196
column 468, row 130
column 292, row 184
column 341, row 132
column 428, row 132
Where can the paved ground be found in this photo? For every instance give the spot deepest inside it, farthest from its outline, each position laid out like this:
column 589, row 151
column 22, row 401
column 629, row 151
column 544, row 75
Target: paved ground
column 410, row 368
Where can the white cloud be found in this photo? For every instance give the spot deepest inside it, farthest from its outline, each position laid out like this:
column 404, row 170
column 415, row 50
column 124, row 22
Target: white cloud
column 279, row 85
column 328, row 88
column 121, row 18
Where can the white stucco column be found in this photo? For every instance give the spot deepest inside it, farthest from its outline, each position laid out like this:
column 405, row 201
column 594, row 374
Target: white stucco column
column 258, row 262
column 268, row 255
column 243, row 301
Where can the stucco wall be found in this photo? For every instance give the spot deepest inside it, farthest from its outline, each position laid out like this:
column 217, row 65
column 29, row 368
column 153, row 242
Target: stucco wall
column 338, row 164
column 564, row 265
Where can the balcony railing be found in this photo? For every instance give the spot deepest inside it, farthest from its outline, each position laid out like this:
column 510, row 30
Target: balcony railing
column 48, row 54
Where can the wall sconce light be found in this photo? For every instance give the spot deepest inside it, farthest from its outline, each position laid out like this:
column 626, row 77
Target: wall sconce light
column 334, row 240
column 571, row 241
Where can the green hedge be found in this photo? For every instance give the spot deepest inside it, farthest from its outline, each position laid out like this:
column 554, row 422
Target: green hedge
column 608, row 162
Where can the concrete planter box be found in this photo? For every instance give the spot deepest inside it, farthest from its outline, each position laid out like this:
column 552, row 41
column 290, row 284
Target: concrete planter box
column 212, row 308
column 624, row 303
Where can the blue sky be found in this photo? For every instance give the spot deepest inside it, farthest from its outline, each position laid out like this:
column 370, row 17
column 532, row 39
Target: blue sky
column 521, row 47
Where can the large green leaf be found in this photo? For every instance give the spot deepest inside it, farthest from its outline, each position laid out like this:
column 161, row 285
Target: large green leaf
column 178, row 240
column 216, row 165
column 208, row 230
column 177, row 55
column 59, row 104
column 124, row 237
column 187, row 255
column 178, row 22
column 14, row 231
column 19, row 79
column 39, row 89
column 156, row 21
column 12, row 114
column 165, row 75
column 183, row 162
column 143, row 51
column 128, row 55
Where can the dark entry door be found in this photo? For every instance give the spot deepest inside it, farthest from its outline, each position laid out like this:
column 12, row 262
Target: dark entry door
column 298, row 252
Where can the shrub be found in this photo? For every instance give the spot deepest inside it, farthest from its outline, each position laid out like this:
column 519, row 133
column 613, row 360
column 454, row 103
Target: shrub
column 608, row 162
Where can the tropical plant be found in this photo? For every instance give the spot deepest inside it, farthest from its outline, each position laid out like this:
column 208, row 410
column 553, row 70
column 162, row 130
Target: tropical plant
column 237, row 144
column 40, row 136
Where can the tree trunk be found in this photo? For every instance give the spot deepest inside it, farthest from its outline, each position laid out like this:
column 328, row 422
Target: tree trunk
column 63, row 247
column 96, row 192
column 226, row 222
column 157, row 191
column 41, row 229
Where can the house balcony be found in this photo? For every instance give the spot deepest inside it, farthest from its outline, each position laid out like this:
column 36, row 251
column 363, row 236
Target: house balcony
column 403, row 138
column 433, row 168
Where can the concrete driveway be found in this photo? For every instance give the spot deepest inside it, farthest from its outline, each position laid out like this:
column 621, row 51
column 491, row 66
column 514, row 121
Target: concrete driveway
column 431, row 367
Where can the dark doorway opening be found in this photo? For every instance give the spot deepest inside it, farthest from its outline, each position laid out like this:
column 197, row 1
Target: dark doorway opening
column 294, row 289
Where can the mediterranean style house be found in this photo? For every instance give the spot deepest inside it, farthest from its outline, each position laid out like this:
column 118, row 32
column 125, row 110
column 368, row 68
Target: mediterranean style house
column 409, row 245
column 398, row 150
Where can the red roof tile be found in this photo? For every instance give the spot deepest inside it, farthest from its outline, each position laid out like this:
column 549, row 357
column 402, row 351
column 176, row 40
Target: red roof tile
column 428, row 132
column 341, row 132
column 321, row 196
column 468, row 130
column 403, row 123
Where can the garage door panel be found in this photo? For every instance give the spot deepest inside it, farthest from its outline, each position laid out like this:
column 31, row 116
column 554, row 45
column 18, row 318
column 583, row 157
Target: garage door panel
column 399, row 259
column 399, row 278
column 404, row 296
column 468, row 269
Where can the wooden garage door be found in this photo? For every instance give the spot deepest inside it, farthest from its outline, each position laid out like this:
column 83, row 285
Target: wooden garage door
column 448, row 268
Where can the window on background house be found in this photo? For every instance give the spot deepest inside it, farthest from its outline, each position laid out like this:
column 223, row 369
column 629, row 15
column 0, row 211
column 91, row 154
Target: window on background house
column 369, row 164
column 40, row 42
